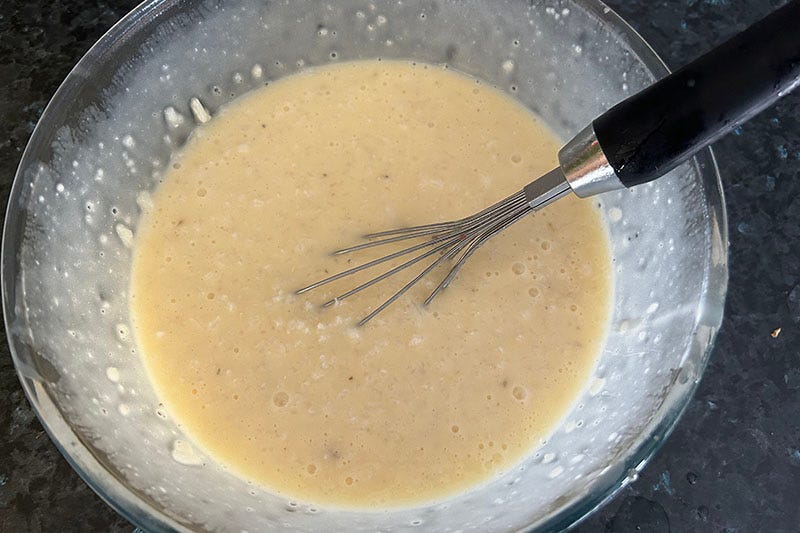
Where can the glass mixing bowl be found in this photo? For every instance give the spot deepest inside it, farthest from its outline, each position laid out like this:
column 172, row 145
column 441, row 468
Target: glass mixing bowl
column 107, row 135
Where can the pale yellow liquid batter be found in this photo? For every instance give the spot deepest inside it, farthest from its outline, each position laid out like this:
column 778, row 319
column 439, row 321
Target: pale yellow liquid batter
column 422, row 402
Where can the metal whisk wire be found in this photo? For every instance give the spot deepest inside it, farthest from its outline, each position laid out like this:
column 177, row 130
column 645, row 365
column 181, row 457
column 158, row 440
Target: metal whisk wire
column 449, row 239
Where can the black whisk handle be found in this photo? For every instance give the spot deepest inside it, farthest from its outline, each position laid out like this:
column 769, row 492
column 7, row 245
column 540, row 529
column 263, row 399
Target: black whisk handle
column 650, row 133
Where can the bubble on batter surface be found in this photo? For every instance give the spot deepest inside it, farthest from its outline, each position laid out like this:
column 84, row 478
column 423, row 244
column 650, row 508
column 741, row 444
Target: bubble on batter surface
column 280, row 399
column 519, row 392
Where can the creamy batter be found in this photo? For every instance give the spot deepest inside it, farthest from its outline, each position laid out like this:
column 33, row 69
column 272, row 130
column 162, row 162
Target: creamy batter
column 422, row 402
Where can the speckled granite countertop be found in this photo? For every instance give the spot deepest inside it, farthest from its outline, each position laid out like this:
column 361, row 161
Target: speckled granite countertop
column 733, row 463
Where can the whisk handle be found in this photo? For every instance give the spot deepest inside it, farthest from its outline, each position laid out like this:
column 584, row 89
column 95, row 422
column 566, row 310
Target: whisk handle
column 655, row 130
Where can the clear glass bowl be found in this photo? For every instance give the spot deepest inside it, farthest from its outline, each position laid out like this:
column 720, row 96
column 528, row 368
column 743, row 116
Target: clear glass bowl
column 109, row 132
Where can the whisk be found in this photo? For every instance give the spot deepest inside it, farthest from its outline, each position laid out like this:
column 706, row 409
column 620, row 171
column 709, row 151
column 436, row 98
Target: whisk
column 638, row 140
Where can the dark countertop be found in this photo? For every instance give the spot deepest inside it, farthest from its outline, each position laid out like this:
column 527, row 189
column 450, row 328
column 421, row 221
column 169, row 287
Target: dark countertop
column 733, row 463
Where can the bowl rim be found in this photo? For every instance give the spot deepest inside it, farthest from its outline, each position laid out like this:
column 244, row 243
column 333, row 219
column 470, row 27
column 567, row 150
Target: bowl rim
column 130, row 504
